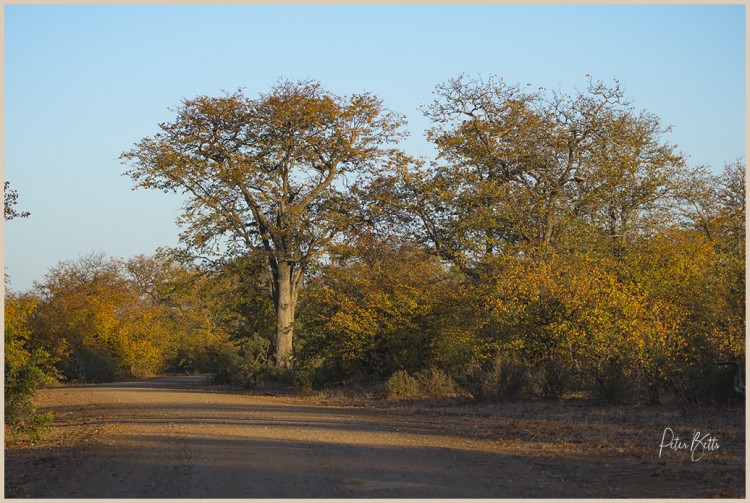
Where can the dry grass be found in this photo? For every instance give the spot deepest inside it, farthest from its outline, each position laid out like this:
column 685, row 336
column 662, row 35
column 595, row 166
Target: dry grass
column 623, row 439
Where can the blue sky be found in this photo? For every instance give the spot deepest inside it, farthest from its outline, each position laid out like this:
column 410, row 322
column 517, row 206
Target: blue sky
column 83, row 83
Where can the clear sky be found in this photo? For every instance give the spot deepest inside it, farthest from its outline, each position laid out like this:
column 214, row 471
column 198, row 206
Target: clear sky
column 83, row 83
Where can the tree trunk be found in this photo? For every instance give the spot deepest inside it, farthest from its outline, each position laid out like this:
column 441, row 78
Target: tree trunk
column 549, row 224
column 284, row 302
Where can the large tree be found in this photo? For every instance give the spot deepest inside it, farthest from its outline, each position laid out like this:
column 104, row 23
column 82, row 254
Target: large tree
column 268, row 174
column 520, row 169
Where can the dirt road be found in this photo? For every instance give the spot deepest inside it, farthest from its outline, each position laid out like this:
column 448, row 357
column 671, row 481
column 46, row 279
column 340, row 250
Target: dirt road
column 175, row 437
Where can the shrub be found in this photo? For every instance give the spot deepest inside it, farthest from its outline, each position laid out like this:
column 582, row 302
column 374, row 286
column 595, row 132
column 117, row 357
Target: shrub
column 225, row 367
column 304, row 379
column 375, row 309
column 90, row 365
column 506, row 378
column 650, row 379
column 612, row 382
column 248, row 363
column 21, row 382
column 36, row 427
column 557, row 377
column 702, row 383
column 306, row 374
column 402, row 386
column 434, row 383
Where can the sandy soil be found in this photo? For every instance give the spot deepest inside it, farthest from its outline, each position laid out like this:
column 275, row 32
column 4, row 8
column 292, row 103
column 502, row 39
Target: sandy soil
column 178, row 437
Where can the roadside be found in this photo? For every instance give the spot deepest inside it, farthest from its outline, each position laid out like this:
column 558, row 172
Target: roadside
column 179, row 437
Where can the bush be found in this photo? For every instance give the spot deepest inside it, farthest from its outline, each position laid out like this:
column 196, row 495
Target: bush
column 21, row 382
column 650, row 379
column 35, row 426
column 225, row 366
column 434, row 383
column 248, row 363
column 557, row 378
column 612, row 382
column 304, row 379
column 402, row 386
column 373, row 310
column 506, row 378
column 307, row 374
column 90, row 365
column 703, row 383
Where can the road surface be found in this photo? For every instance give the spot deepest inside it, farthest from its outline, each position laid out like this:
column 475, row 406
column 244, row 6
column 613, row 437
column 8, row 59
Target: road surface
column 175, row 437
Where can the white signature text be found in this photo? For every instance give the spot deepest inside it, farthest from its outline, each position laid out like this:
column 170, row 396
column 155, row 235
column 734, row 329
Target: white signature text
column 698, row 445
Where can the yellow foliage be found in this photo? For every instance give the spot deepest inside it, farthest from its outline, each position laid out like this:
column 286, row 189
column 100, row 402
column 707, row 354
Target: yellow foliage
column 18, row 308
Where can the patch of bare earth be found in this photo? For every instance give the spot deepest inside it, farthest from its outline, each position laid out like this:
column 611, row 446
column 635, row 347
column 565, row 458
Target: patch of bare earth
column 179, row 437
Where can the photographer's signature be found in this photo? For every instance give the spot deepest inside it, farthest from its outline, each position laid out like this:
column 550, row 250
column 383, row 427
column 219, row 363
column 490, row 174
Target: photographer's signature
column 698, row 445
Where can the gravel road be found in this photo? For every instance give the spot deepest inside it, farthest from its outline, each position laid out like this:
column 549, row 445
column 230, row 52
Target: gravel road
column 177, row 438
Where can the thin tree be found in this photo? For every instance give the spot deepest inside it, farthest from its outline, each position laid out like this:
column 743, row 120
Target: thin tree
column 10, row 198
column 268, row 174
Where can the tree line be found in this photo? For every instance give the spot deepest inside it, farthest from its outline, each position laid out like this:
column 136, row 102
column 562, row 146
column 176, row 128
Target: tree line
column 556, row 243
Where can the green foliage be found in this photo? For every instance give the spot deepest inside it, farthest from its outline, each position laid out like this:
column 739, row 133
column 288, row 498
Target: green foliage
column 520, row 169
column 620, row 328
column 91, row 364
column 21, row 382
column 308, row 375
column 104, row 319
column 509, row 377
column 246, row 362
column 26, row 368
column 38, row 427
column 685, row 273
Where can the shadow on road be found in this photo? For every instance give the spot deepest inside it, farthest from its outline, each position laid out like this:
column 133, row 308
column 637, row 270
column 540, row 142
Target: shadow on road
column 173, row 437
column 167, row 467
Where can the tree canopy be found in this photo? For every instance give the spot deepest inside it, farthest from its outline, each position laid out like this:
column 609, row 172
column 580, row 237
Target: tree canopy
column 518, row 168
